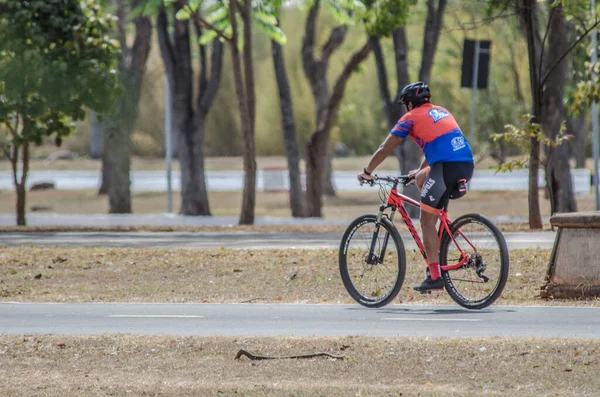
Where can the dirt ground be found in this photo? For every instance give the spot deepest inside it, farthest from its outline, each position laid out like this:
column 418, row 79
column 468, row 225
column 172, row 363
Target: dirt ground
column 125, row 365
column 34, row 274
column 129, row 365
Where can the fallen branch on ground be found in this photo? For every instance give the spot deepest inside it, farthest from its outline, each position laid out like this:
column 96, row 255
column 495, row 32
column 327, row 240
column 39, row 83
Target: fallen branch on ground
column 251, row 356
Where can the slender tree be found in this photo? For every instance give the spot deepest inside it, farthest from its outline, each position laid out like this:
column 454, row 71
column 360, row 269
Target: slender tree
column 223, row 22
column 189, row 109
column 56, row 59
column 408, row 154
column 373, row 15
column 119, row 125
column 548, row 48
column 288, row 126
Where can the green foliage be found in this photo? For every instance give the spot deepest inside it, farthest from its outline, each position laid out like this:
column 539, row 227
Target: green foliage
column 345, row 12
column 56, row 59
column 383, row 16
column 522, row 136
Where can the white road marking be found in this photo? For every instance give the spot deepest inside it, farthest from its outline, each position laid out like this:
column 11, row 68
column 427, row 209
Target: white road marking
column 430, row 319
column 154, row 316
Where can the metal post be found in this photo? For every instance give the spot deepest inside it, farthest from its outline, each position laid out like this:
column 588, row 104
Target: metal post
column 474, row 92
column 168, row 146
column 595, row 112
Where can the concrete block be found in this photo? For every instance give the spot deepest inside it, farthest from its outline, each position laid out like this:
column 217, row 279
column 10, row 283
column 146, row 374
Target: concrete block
column 574, row 268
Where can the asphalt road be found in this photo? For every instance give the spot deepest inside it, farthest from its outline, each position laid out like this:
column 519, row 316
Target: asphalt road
column 248, row 240
column 298, row 320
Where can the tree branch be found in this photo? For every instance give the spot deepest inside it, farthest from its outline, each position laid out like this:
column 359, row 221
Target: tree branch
column 248, row 62
column 581, row 37
column 121, row 31
column 11, row 129
column 308, row 42
column 335, row 40
column 204, row 23
column 6, row 151
column 333, row 103
column 401, row 55
column 25, row 162
column 14, row 158
column 384, row 91
column 203, row 66
column 216, row 68
column 546, row 33
column 166, row 47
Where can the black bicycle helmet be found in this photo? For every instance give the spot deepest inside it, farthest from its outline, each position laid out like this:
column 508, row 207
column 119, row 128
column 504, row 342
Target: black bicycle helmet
column 417, row 93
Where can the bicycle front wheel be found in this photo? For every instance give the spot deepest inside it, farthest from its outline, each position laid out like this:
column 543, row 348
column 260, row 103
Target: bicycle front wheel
column 372, row 261
column 481, row 246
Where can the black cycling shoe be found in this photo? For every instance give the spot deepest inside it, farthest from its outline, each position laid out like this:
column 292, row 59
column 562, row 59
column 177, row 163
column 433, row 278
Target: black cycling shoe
column 430, row 284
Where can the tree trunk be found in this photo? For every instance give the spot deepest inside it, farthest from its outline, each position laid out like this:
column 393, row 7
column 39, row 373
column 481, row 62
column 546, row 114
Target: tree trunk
column 327, row 106
column 576, row 127
column 194, row 200
column 319, row 142
column 20, row 204
column 316, row 157
column 407, row 153
column 433, row 27
column 328, row 185
column 245, row 98
column 526, row 10
column 315, row 70
column 96, row 137
column 21, row 183
column 104, row 173
column 188, row 120
column 533, row 196
column 119, row 125
column 117, row 157
column 289, row 133
column 558, row 174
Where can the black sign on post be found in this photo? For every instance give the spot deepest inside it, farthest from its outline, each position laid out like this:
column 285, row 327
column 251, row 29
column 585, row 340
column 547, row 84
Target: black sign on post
column 471, row 51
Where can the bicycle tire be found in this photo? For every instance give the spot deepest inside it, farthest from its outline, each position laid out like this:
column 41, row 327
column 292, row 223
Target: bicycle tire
column 453, row 282
column 377, row 297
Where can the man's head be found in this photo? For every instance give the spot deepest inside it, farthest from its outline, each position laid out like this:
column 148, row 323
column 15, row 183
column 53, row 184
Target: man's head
column 414, row 95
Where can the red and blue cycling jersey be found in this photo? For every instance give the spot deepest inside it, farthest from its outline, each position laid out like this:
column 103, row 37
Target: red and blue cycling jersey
column 436, row 132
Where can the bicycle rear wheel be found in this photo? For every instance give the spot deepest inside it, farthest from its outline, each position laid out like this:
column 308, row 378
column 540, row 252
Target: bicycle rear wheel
column 374, row 281
column 481, row 279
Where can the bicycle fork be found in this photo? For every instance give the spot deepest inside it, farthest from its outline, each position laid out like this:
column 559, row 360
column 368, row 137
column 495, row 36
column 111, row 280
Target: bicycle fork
column 372, row 259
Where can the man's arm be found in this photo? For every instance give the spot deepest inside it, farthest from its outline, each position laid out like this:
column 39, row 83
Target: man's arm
column 385, row 149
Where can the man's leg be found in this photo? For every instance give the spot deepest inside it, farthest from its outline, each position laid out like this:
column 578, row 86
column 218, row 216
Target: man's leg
column 430, row 240
column 432, row 193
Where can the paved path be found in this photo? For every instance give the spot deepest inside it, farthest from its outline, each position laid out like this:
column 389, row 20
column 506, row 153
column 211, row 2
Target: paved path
column 544, row 240
column 298, row 320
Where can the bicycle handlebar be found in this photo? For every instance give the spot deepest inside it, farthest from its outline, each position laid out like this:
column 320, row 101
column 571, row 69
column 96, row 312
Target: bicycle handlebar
column 403, row 179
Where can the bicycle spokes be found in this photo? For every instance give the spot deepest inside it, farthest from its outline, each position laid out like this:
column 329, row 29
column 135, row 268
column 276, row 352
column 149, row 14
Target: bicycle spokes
column 370, row 263
column 475, row 261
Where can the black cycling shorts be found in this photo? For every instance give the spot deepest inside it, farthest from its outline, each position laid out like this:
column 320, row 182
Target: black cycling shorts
column 441, row 181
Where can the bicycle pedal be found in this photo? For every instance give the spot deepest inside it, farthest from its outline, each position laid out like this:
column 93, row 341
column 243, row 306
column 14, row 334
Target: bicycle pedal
column 425, row 292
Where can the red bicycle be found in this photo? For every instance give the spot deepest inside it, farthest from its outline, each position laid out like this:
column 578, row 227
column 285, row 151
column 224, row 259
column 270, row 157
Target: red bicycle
column 473, row 253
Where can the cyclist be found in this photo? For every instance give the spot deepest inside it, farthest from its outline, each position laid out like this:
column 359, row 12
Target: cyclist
column 447, row 166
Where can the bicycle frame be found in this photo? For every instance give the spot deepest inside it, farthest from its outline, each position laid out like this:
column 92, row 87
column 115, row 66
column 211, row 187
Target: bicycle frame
column 396, row 201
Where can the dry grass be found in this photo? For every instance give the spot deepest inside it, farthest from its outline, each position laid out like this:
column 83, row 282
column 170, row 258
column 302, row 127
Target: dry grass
column 30, row 274
column 198, row 366
column 347, row 205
